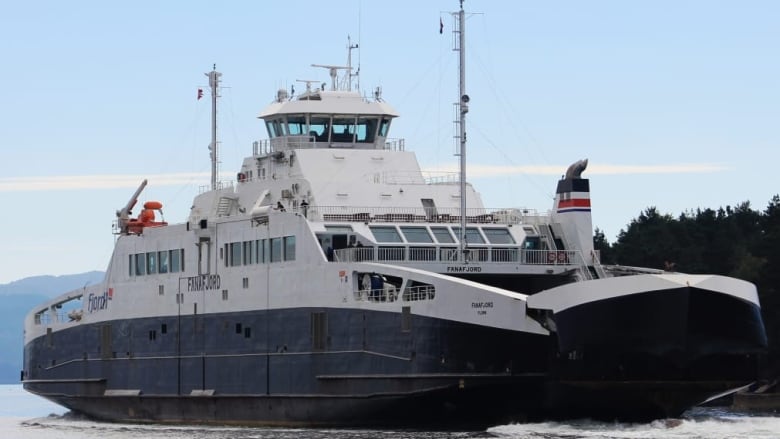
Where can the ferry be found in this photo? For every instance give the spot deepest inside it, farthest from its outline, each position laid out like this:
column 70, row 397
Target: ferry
column 334, row 283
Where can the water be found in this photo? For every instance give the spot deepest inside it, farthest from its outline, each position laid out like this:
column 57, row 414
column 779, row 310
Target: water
column 26, row 416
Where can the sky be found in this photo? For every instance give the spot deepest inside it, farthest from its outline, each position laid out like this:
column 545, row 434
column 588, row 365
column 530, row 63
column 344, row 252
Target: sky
column 676, row 104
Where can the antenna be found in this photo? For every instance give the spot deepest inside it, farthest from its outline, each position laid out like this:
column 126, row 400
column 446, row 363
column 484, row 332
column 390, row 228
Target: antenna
column 351, row 46
column 308, row 83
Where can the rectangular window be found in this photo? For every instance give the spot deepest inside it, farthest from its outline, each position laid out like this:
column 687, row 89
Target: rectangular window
column 248, row 253
column 338, row 229
column 226, row 257
column 498, row 236
column 384, row 127
column 151, row 263
column 296, row 125
column 164, row 328
column 266, row 251
column 258, row 252
column 276, row 249
column 175, row 264
column 181, row 260
column 416, row 234
column 472, row 235
column 224, row 294
column 289, row 248
column 343, row 130
column 386, row 234
column 140, row 264
column 131, row 265
column 442, row 235
column 161, row 289
column 162, row 262
column 235, row 254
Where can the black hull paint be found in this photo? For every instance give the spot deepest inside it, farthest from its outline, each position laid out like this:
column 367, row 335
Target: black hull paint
column 374, row 369
column 680, row 334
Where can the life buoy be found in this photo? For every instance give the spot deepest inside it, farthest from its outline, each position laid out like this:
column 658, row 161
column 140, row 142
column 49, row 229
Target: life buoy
column 156, row 205
column 551, row 257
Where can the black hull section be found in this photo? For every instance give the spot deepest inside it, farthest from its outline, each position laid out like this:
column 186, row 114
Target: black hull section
column 638, row 357
column 679, row 334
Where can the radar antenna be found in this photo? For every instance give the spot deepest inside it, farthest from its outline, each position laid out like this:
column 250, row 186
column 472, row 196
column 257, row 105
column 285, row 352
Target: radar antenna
column 334, row 73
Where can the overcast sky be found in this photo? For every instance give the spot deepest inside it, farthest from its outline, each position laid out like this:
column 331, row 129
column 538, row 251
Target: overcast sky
column 676, row 104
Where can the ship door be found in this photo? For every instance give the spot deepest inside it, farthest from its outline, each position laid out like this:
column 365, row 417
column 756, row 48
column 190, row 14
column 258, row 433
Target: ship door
column 204, row 256
column 339, row 242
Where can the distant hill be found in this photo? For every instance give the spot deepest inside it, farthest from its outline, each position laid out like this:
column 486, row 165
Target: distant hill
column 51, row 286
column 18, row 298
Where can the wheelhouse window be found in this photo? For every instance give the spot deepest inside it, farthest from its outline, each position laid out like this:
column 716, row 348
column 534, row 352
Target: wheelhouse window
column 416, row 234
column 385, row 234
column 498, row 236
column 320, row 128
column 366, row 130
column 343, row 130
column 384, row 127
column 274, row 128
column 296, row 125
column 442, row 235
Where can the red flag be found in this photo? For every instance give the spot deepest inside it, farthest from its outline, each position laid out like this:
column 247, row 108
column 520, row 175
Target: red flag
column 441, row 26
column 200, row 93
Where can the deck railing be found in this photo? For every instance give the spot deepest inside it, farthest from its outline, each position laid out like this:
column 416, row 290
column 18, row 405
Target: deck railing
column 422, row 215
column 434, row 254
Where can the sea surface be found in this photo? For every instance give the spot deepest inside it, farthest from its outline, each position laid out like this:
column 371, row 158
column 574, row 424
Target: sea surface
column 23, row 415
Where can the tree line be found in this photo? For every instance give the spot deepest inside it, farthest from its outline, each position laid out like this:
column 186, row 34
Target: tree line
column 733, row 241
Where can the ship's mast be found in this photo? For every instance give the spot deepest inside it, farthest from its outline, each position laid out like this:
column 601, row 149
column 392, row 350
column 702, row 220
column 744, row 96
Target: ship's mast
column 214, row 76
column 463, row 108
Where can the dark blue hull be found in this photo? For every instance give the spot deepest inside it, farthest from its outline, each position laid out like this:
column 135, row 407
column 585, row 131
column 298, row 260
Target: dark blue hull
column 349, row 367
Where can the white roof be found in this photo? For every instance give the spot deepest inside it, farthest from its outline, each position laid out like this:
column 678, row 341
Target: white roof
column 330, row 102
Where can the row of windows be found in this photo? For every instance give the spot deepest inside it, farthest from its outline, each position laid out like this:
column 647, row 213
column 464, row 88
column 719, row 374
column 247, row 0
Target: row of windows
column 164, row 261
column 324, row 128
column 259, row 251
column 442, row 234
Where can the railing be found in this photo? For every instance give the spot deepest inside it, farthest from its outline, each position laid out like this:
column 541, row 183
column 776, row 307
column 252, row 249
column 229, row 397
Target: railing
column 268, row 146
column 390, row 294
column 416, row 254
column 420, row 292
column 422, row 215
column 222, row 184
